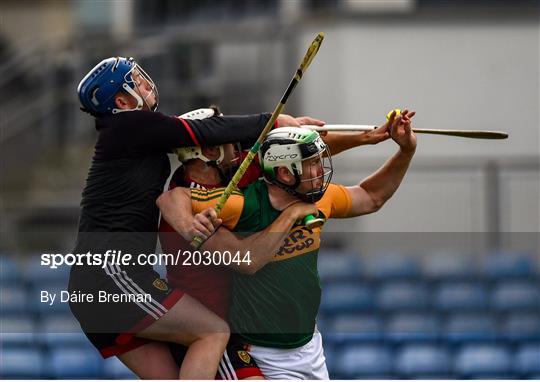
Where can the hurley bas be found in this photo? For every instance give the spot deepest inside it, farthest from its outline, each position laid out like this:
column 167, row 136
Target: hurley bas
column 102, row 296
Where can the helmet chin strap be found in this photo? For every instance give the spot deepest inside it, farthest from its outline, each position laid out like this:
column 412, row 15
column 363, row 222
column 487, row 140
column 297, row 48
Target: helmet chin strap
column 135, row 95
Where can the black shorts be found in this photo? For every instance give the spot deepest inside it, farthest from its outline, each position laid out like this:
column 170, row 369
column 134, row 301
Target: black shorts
column 125, row 300
column 236, row 362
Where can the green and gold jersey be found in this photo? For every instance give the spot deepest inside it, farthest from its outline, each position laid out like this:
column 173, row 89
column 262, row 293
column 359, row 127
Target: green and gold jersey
column 277, row 306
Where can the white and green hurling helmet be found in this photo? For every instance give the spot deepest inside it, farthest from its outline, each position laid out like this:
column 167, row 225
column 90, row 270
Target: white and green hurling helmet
column 288, row 147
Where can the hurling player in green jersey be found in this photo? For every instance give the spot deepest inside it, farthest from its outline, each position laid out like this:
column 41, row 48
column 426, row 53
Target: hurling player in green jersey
column 274, row 306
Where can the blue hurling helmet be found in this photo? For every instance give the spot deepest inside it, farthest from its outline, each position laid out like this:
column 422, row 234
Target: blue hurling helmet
column 98, row 88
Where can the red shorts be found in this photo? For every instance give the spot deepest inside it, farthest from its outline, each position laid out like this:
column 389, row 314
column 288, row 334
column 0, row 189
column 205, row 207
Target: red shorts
column 236, row 362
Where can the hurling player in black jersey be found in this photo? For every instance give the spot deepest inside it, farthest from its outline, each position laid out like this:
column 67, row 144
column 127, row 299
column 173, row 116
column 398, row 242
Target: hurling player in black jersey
column 119, row 216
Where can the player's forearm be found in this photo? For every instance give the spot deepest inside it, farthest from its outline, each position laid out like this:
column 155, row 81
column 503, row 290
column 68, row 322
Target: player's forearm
column 175, row 207
column 262, row 245
column 219, row 130
column 381, row 185
column 339, row 142
column 266, row 243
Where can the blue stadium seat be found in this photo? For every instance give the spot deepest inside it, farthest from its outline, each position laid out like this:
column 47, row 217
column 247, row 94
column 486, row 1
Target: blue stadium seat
column 9, row 270
column 483, row 361
column 114, row 369
column 323, row 322
column 501, row 265
column 338, row 266
column 413, row 327
column 331, row 359
column 522, row 327
column 343, row 297
column 391, row 266
column 470, row 327
column 19, row 363
column 14, row 299
column 45, row 308
column 75, row 363
column 415, row 361
column 37, row 274
column 348, row 328
column 461, row 296
column 403, row 296
column 61, row 330
column 16, row 331
column 516, row 295
column 364, row 361
column 527, row 360
column 448, row 266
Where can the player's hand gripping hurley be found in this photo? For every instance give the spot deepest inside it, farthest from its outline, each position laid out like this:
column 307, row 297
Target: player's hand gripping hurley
column 310, row 221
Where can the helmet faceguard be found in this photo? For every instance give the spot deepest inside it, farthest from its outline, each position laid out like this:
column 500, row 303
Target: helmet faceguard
column 97, row 90
column 195, row 152
column 290, row 147
column 226, row 169
column 132, row 82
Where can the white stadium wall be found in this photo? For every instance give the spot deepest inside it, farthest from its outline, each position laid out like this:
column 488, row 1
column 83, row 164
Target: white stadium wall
column 457, row 75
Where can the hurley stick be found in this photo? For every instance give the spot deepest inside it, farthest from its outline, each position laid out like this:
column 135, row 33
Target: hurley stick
column 477, row 134
column 308, row 58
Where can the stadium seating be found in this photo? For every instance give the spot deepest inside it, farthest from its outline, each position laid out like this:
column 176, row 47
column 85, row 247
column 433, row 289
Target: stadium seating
column 461, row 296
column 380, row 318
column 527, row 361
column 391, row 266
column 16, row 331
column 500, row 265
column 403, row 295
column 61, row 330
column 483, row 361
column 37, row 274
column 521, row 327
column 364, row 361
column 513, row 295
column 470, row 327
column 412, row 327
column 448, row 266
column 338, row 266
column 18, row 363
column 346, row 297
column 14, row 299
column 422, row 361
column 45, row 308
column 9, row 270
column 347, row 328
column 66, row 362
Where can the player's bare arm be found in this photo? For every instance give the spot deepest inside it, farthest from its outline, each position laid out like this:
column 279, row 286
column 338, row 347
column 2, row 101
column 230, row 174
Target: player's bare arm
column 339, row 142
column 262, row 245
column 373, row 192
column 175, row 206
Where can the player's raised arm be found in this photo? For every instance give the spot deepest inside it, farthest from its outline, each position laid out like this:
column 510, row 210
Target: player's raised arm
column 371, row 194
column 339, row 142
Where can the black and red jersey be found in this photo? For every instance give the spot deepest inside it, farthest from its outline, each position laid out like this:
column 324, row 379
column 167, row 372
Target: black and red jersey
column 130, row 167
